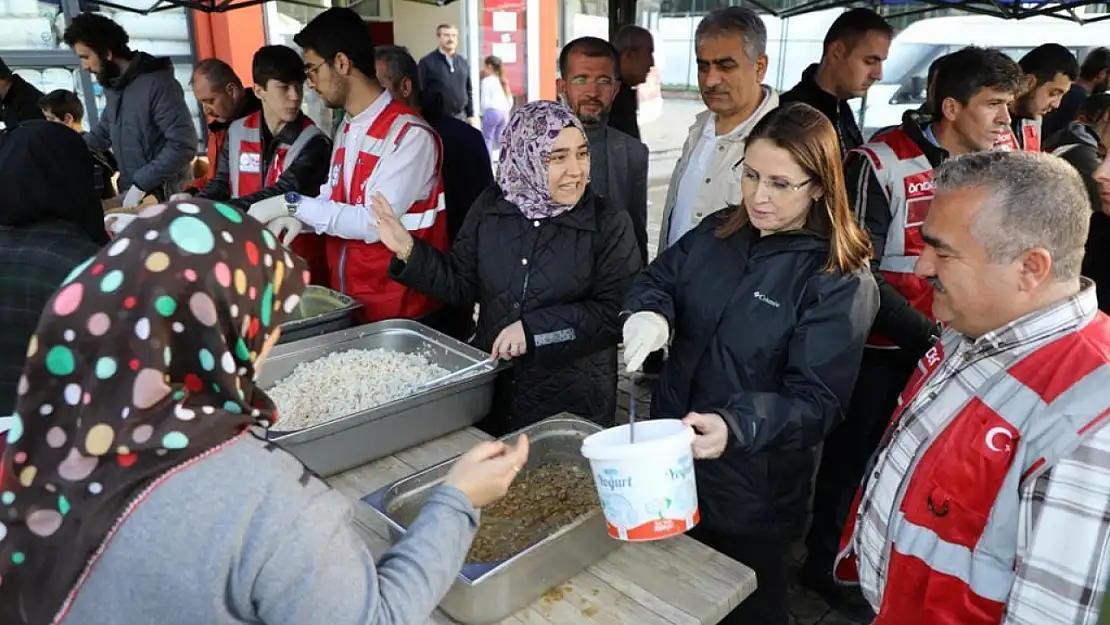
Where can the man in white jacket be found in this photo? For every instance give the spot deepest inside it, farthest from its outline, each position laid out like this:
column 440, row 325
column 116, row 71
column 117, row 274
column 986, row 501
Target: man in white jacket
column 731, row 49
column 730, row 45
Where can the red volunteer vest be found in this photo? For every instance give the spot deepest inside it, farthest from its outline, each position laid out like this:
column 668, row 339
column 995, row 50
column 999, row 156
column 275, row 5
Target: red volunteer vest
column 360, row 269
column 953, row 491
column 1030, row 140
column 245, row 160
column 905, row 172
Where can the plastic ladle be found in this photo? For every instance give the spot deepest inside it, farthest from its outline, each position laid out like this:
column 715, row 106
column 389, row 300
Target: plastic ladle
column 632, row 410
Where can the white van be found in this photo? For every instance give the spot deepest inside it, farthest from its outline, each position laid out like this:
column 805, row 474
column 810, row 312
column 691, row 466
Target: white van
column 903, row 85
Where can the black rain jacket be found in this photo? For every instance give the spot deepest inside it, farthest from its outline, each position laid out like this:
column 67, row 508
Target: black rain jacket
column 563, row 277
column 765, row 337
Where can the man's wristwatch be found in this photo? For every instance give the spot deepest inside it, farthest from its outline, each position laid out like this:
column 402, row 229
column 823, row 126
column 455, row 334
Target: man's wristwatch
column 292, row 201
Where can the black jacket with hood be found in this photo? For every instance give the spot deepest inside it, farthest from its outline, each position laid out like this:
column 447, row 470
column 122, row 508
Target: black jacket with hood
column 563, row 278
column 21, row 103
column 836, row 110
column 304, row 175
column 1079, row 145
column 148, row 127
column 765, row 337
column 51, row 221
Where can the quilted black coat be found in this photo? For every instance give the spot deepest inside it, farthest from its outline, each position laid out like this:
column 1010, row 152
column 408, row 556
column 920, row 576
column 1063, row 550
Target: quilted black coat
column 564, row 277
column 765, row 337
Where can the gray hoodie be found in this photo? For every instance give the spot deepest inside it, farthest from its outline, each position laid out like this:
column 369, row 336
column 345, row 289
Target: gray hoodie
column 247, row 535
column 148, row 127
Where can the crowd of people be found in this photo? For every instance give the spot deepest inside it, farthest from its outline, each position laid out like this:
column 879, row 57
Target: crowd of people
column 913, row 316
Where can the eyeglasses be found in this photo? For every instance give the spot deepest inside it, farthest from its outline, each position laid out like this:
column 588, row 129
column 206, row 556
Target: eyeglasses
column 310, row 70
column 777, row 185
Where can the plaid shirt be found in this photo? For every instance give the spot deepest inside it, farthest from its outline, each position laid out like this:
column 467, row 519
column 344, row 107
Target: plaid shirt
column 34, row 260
column 1063, row 552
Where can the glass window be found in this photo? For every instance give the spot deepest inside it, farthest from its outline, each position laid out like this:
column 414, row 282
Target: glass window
column 909, row 59
column 285, row 19
column 374, row 9
column 30, row 25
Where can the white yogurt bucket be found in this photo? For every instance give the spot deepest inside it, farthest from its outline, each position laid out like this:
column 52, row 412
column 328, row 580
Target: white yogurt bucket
column 647, row 488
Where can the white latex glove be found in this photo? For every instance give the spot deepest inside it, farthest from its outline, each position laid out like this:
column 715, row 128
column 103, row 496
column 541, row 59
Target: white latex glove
column 291, row 227
column 116, row 222
column 133, row 197
column 181, row 197
column 644, row 333
column 269, row 209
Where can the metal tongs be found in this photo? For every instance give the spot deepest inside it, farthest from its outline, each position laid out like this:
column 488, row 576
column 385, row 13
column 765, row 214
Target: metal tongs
column 455, row 374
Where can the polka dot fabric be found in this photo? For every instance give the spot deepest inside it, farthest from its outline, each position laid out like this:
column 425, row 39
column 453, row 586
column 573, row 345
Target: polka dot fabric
column 144, row 359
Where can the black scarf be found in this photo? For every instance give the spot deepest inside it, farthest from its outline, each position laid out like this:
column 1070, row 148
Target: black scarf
column 47, row 174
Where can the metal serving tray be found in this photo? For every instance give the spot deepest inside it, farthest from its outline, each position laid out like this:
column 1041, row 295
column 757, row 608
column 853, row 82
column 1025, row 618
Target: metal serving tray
column 355, row 439
column 321, row 310
column 487, row 593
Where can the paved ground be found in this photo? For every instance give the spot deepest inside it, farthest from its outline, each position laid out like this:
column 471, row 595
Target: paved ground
column 665, row 137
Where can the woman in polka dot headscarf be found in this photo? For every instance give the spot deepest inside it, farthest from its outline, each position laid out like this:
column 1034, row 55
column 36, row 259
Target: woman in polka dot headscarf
column 142, row 361
column 133, row 487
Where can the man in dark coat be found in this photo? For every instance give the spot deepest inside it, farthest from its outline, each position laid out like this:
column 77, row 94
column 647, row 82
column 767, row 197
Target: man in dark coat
column 855, row 47
column 637, row 56
column 1094, row 77
column 618, row 163
column 145, row 122
column 1083, row 144
column 19, row 100
column 446, row 72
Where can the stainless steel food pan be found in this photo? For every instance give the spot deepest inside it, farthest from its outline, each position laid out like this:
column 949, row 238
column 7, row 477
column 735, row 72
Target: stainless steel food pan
column 355, row 439
column 321, row 310
column 487, row 593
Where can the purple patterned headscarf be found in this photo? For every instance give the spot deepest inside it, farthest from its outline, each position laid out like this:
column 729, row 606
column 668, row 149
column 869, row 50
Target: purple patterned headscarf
column 525, row 147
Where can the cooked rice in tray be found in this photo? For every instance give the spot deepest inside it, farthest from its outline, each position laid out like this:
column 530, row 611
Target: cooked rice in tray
column 346, row 382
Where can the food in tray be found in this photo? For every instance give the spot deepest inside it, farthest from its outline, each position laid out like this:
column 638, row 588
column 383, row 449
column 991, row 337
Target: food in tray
column 346, row 382
column 540, row 502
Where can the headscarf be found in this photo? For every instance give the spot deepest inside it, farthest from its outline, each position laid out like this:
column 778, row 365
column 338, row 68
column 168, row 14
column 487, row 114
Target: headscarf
column 142, row 361
column 47, row 174
column 525, row 148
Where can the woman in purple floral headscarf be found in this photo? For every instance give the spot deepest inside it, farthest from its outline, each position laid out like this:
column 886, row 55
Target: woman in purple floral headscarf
column 548, row 263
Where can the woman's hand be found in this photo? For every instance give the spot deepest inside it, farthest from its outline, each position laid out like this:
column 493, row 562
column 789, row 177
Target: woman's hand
column 485, row 472
column 710, row 434
column 510, row 343
column 391, row 231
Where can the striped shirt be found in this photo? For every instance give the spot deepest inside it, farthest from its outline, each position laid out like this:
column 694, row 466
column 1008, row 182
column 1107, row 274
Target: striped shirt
column 1063, row 551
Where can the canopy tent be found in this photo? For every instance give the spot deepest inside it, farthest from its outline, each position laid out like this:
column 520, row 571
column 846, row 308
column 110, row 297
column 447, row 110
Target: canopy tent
column 215, row 6
column 1005, row 9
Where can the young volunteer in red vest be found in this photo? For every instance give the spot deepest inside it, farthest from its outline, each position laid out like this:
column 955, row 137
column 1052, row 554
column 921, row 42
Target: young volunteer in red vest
column 275, row 150
column 1048, row 70
column 383, row 147
column 986, row 501
column 890, row 184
